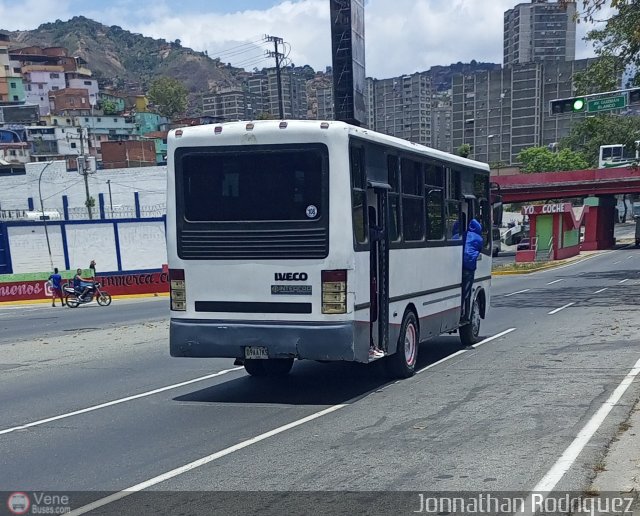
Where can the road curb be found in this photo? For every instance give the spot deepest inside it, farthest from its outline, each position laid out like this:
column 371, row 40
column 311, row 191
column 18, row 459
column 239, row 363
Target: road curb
column 48, row 300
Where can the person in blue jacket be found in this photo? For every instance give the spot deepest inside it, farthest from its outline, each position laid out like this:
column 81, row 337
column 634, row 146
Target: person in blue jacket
column 472, row 249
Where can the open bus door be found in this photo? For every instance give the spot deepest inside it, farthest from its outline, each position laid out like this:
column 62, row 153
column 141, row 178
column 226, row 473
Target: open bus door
column 378, row 210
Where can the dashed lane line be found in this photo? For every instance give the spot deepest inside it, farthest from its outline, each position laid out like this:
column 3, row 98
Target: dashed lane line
column 449, row 357
column 623, row 281
column 200, row 462
column 556, row 281
column 117, row 402
column 552, row 312
column 601, row 290
column 518, row 292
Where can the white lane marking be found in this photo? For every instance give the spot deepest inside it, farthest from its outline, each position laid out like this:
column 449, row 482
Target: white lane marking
column 566, row 460
column 449, row 357
column 489, row 339
column 556, row 281
column 631, row 257
column 601, row 290
column 623, row 281
column 200, row 462
column 561, row 308
column 519, row 292
column 616, row 263
column 117, row 402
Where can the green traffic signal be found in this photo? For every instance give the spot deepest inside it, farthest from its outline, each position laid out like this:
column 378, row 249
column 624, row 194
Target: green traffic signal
column 579, row 104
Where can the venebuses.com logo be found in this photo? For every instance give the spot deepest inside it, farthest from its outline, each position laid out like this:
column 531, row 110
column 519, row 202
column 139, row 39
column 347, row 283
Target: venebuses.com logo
column 18, row 503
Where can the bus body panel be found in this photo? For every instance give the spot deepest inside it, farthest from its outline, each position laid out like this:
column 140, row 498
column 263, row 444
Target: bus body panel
column 425, row 279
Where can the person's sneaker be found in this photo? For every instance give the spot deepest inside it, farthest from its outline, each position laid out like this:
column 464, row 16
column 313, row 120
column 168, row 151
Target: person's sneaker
column 375, row 353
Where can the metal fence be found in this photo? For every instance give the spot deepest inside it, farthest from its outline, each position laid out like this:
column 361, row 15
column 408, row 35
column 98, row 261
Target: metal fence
column 81, row 213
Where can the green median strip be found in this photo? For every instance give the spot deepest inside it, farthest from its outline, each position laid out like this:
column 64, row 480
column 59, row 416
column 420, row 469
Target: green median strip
column 526, row 268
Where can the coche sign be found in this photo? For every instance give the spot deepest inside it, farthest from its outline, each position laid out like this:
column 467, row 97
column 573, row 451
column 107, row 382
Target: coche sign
column 546, row 209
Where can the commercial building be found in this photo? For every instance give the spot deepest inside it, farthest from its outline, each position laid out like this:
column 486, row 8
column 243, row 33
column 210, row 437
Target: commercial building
column 230, row 105
column 540, row 31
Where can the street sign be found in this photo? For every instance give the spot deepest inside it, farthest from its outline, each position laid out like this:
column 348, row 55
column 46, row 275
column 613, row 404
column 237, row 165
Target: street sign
column 607, row 104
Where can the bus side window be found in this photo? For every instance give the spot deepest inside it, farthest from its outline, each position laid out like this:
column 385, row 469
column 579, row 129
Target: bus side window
column 413, row 219
column 394, row 199
column 434, row 197
column 455, row 225
column 481, row 191
column 358, row 195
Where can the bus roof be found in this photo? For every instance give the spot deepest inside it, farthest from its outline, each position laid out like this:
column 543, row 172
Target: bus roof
column 309, row 126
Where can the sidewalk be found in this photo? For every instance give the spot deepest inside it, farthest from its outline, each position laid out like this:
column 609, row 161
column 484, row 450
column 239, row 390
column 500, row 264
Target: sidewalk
column 47, row 301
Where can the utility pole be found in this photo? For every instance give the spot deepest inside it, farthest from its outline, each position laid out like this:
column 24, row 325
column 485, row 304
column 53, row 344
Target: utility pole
column 82, row 170
column 278, row 57
column 110, row 198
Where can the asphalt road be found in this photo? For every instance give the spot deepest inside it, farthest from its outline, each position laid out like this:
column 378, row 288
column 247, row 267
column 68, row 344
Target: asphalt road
column 496, row 417
column 23, row 322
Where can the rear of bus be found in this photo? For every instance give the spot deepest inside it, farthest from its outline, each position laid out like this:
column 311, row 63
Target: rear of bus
column 258, row 249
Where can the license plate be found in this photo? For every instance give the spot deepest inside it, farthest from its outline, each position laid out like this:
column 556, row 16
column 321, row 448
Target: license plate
column 254, row 352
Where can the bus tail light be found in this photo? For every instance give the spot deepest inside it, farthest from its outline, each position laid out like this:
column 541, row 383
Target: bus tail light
column 178, row 290
column 334, row 292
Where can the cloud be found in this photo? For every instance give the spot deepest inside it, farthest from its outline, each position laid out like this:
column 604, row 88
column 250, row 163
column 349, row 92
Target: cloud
column 402, row 36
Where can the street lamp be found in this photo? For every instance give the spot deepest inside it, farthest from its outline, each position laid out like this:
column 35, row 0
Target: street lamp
column 44, row 218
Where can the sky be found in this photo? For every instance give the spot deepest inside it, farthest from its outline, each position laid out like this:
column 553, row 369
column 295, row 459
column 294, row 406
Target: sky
column 402, row 36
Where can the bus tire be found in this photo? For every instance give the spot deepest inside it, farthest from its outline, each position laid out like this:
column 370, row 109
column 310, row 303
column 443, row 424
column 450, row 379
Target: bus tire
column 470, row 333
column 278, row 366
column 255, row 367
column 270, row 367
column 402, row 364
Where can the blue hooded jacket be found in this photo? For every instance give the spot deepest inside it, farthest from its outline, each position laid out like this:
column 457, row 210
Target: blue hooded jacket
column 472, row 246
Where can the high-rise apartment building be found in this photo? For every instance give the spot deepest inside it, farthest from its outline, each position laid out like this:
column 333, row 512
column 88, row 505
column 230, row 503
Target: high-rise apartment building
column 502, row 112
column 400, row 106
column 325, row 103
column 441, row 122
column 230, row 105
column 540, row 31
column 294, row 93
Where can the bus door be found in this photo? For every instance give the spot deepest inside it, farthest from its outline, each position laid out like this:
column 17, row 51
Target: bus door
column 378, row 211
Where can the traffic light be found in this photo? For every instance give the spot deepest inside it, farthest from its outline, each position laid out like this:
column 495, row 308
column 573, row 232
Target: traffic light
column 572, row 105
column 634, row 96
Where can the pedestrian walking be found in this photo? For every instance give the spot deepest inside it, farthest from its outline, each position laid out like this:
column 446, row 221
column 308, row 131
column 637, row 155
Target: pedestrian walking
column 56, row 287
column 92, row 266
column 472, row 249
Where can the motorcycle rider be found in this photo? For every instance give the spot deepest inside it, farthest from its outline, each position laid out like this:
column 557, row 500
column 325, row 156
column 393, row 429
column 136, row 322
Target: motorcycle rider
column 81, row 285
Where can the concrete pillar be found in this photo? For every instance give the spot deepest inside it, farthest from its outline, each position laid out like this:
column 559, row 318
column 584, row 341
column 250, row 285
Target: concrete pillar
column 599, row 223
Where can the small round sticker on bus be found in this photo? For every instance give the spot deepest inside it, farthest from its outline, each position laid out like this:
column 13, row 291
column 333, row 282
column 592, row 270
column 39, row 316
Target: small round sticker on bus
column 312, row 211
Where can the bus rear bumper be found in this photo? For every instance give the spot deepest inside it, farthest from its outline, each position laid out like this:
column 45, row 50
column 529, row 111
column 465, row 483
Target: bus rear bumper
column 311, row 341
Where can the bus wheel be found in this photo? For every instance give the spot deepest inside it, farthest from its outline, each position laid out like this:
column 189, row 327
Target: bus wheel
column 278, row 366
column 270, row 367
column 255, row 367
column 402, row 364
column 470, row 333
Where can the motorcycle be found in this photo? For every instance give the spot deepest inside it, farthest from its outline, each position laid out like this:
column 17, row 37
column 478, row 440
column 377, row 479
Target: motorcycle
column 73, row 299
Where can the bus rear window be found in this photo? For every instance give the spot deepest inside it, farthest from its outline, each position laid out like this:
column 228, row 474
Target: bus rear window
column 253, row 185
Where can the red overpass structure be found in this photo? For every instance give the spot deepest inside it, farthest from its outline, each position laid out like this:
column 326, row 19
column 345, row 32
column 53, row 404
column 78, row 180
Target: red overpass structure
column 568, row 184
column 598, row 187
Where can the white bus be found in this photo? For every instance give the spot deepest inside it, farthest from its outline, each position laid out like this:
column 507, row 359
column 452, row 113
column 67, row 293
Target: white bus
column 270, row 251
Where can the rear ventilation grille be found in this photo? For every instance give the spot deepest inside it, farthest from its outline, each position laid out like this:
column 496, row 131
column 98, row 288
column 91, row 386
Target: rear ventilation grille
column 276, row 244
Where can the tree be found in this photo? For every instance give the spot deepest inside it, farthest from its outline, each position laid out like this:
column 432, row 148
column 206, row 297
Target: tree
column 169, row 96
column 541, row 159
column 109, row 107
column 617, row 44
column 464, row 150
column 590, row 133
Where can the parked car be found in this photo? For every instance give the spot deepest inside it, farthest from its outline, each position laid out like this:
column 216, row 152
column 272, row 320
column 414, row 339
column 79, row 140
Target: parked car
column 524, row 245
column 496, row 245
